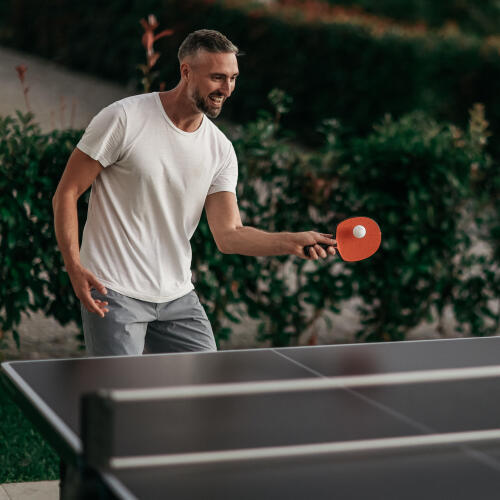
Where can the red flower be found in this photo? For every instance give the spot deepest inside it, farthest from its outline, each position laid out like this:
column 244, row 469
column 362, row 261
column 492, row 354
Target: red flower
column 149, row 36
column 21, row 70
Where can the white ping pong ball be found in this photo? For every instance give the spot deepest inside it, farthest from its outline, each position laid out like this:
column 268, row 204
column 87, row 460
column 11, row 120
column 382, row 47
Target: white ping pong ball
column 359, row 231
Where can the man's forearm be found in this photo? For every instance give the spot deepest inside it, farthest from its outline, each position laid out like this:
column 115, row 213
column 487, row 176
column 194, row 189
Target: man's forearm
column 66, row 228
column 250, row 241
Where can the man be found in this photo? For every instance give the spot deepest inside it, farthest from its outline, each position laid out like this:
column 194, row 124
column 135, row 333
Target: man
column 154, row 161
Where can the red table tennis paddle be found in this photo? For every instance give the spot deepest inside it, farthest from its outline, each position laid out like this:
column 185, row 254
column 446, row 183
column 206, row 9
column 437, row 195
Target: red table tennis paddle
column 357, row 238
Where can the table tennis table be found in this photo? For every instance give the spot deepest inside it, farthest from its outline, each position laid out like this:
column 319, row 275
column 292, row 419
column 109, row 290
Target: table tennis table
column 399, row 420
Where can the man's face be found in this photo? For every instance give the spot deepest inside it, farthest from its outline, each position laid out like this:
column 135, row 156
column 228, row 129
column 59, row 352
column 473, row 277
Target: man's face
column 212, row 78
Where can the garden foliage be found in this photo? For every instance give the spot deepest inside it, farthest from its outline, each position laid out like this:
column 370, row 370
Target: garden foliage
column 420, row 178
column 426, row 183
column 469, row 15
column 31, row 272
column 346, row 65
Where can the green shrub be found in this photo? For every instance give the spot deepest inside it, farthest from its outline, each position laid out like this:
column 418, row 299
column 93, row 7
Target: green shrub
column 353, row 69
column 24, row 454
column 416, row 177
column 31, row 269
column 470, row 15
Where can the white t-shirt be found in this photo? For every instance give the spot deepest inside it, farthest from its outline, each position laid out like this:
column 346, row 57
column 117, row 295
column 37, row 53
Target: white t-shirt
column 147, row 202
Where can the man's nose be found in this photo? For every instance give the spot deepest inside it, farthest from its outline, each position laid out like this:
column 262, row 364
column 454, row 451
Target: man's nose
column 226, row 88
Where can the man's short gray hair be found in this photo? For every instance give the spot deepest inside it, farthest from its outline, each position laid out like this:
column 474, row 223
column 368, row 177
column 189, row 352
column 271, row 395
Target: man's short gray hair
column 209, row 40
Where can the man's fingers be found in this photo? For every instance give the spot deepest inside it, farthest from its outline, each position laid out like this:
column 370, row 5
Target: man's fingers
column 327, row 240
column 331, row 245
column 99, row 305
column 316, row 251
column 312, row 253
column 83, row 281
column 99, row 287
column 320, row 251
column 325, row 245
column 94, row 306
column 93, row 282
column 102, row 305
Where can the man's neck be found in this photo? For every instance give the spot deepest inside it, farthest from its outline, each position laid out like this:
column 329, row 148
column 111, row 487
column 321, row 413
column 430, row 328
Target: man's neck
column 180, row 110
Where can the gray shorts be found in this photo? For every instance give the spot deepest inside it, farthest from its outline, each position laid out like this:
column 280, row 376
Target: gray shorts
column 133, row 326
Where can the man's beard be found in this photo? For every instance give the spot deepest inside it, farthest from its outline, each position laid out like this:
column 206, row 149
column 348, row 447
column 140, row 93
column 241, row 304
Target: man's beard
column 204, row 107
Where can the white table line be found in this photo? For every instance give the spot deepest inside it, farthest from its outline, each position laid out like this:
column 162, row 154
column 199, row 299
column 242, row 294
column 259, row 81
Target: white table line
column 302, row 384
column 366, row 445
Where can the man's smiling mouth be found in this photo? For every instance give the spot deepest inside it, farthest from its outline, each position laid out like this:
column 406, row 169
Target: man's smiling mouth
column 217, row 99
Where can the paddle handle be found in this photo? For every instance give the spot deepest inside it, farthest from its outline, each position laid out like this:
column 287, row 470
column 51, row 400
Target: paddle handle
column 322, row 245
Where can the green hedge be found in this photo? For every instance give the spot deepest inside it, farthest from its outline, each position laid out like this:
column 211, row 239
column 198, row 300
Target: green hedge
column 350, row 69
column 31, row 273
column 470, row 15
column 418, row 178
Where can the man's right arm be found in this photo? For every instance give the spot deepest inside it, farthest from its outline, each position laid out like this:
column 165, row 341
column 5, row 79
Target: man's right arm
column 78, row 176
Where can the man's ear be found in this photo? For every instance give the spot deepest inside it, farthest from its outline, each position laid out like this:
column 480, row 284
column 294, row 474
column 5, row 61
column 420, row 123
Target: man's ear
column 185, row 71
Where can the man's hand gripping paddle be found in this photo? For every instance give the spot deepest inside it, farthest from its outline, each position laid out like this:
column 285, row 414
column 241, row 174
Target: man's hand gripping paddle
column 357, row 238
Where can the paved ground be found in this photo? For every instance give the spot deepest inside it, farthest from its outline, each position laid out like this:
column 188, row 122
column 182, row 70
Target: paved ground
column 51, row 86
column 40, row 490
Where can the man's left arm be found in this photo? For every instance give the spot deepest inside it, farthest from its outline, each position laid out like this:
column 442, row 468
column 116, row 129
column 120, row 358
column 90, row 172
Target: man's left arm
column 232, row 237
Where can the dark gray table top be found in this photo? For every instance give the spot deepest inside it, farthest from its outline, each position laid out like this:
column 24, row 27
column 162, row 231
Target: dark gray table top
column 50, row 391
column 60, row 383
column 439, row 473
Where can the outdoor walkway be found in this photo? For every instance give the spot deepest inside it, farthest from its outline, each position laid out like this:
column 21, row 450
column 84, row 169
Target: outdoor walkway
column 52, row 87
column 41, row 490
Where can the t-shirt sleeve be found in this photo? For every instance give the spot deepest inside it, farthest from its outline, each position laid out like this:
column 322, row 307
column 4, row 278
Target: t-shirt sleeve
column 226, row 177
column 103, row 138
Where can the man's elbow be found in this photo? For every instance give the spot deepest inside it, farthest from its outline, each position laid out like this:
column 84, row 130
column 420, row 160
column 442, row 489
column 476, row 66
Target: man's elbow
column 225, row 242
column 63, row 198
column 54, row 202
column 222, row 246
column 56, row 199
